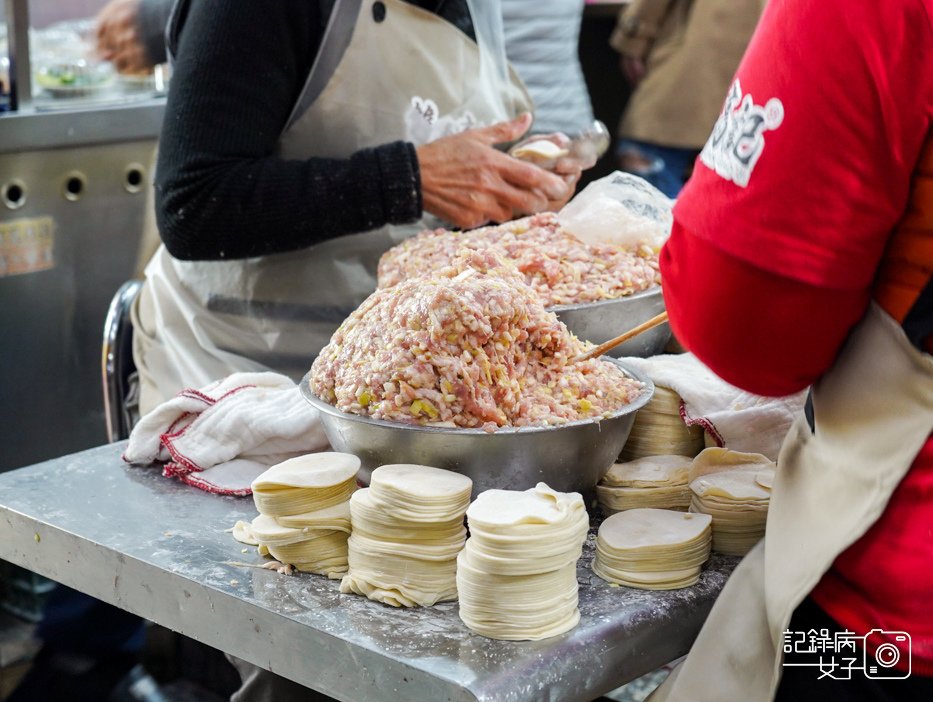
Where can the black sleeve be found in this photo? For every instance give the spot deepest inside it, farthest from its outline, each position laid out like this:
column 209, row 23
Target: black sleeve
column 220, row 190
column 150, row 23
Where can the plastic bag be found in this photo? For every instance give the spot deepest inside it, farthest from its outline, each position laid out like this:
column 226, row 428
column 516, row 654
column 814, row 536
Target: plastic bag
column 620, row 209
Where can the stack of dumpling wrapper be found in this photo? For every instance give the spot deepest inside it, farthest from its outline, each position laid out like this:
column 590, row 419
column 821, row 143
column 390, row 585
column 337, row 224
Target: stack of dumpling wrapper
column 652, row 549
column 735, row 489
column 517, row 575
column 304, row 511
column 407, row 532
column 659, row 430
column 653, row 481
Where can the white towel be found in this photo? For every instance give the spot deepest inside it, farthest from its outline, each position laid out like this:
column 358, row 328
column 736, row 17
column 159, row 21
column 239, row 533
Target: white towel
column 735, row 419
column 221, row 437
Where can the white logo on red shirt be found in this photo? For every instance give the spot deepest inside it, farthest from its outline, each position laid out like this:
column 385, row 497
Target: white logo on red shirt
column 738, row 140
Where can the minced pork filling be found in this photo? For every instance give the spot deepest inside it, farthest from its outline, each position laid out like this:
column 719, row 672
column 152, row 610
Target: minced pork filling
column 469, row 346
column 562, row 269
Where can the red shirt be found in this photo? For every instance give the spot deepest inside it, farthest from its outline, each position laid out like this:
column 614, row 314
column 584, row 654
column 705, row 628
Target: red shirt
column 779, row 233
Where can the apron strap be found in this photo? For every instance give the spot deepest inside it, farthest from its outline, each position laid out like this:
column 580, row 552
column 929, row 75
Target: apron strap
column 336, row 39
column 918, row 324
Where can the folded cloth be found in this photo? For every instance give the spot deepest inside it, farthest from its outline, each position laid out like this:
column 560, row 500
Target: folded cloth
column 221, row 437
column 734, row 418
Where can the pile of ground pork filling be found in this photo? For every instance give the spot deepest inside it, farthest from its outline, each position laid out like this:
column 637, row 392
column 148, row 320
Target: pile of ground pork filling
column 562, row 269
column 469, row 346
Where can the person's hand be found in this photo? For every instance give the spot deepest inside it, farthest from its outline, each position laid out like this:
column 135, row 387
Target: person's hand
column 118, row 37
column 633, row 69
column 569, row 168
column 467, row 182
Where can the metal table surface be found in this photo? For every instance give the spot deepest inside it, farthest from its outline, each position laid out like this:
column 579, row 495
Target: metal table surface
column 157, row 548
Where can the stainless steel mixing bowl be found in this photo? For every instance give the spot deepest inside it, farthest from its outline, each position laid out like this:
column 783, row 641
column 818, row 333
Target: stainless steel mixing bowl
column 568, row 457
column 601, row 321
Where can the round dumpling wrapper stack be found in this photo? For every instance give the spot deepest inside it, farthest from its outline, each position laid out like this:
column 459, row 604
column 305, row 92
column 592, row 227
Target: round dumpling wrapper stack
column 659, row 430
column 653, row 481
column 734, row 489
column 407, row 532
column 516, row 576
column 653, row 549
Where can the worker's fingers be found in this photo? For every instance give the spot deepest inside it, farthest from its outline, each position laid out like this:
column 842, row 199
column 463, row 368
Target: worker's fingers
column 504, row 132
column 530, row 177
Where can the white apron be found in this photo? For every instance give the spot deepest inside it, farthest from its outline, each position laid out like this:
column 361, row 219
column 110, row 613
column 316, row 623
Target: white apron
column 380, row 76
column 873, row 412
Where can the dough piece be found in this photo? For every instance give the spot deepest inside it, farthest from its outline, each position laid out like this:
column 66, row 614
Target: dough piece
column 500, row 511
column 336, row 517
column 315, row 470
column 516, row 576
column 539, row 151
column 738, row 485
column 646, row 529
column 306, row 484
column 650, row 471
column 243, row 533
column 407, row 533
column 765, row 478
column 716, row 460
column 269, row 532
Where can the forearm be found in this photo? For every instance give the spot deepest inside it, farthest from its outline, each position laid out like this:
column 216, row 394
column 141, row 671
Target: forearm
column 254, row 207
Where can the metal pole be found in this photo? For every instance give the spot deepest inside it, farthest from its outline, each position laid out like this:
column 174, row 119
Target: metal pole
column 17, row 27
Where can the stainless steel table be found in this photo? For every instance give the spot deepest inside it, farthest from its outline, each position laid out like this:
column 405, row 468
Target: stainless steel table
column 156, row 547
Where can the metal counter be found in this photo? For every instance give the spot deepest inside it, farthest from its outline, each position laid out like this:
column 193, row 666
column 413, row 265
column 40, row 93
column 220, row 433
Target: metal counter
column 156, row 547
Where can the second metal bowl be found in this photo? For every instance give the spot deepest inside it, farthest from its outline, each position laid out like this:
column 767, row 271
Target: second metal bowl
column 601, row 321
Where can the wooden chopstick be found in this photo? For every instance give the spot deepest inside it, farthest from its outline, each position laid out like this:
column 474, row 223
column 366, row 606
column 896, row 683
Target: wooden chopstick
column 621, row 339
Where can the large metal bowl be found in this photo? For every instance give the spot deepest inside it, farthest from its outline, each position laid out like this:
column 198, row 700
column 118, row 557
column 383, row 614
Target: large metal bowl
column 568, row 457
column 601, row 321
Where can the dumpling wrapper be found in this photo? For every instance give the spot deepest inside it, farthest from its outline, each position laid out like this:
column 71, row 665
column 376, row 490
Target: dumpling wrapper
column 731, row 484
column 765, row 478
column 650, row 471
column 646, row 528
column 420, row 483
column 540, row 505
column 242, row 532
column 333, row 517
column 716, row 460
column 539, row 151
column 315, row 470
column 269, row 532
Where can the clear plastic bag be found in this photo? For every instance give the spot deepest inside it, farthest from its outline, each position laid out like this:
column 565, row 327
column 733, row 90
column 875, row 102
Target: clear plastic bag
column 620, row 209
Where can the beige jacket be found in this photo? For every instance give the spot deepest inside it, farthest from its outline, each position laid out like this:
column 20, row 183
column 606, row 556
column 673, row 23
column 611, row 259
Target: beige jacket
column 691, row 50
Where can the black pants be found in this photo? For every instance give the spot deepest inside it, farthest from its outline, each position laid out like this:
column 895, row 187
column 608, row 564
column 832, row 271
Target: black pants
column 801, row 684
